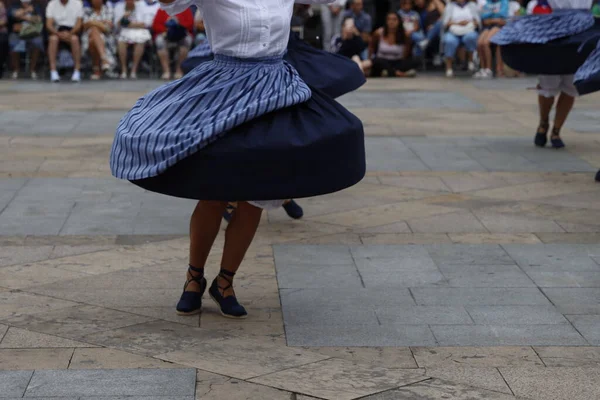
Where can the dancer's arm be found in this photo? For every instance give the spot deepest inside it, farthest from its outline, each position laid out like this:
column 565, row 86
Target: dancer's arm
column 314, row 1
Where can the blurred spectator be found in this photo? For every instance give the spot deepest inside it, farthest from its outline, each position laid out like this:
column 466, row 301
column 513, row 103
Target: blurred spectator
column 461, row 20
column 97, row 37
column 174, row 31
column 331, row 17
column 596, row 11
column 431, row 12
column 392, row 49
column 133, row 32
column 150, row 8
column 26, row 35
column 200, row 29
column 350, row 44
column 411, row 21
column 362, row 20
column 382, row 7
column 64, row 23
column 494, row 14
column 538, row 7
column 3, row 37
column 515, row 9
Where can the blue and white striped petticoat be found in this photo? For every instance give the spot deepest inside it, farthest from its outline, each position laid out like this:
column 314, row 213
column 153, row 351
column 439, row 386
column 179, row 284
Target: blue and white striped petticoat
column 181, row 117
column 540, row 29
column 549, row 44
column 239, row 130
column 587, row 77
column 197, row 56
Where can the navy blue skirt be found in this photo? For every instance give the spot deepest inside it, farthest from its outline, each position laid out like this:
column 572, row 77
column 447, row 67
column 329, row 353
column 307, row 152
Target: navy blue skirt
column 192, row 61
column 332, row 74
column 309, row 149
column 561, row 56
column 587, row 77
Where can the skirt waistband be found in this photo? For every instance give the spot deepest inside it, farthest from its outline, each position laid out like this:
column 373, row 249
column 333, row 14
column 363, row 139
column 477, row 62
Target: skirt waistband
column 221, row 59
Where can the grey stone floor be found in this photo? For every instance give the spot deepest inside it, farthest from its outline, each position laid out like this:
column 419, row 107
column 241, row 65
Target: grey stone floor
column 467, row 154
column 113, row 384
column 450, row 162
column 410, row 100
column 447, row 295
column 59, row 123
column 76, row 206
column 104, row 86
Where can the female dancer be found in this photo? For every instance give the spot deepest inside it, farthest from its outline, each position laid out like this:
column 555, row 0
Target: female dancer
column 331, row 73
column 555, row 46
column 243, row 127
column 587, row 78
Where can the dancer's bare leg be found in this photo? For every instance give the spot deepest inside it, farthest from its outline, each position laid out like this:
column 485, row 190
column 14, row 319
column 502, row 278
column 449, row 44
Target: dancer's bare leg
column 563, row 108
column 238, row 237
column 204, row 228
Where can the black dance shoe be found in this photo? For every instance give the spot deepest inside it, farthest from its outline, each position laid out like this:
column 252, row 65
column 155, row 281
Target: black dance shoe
column 228, row 306
column 190, row 302
column 293, row 210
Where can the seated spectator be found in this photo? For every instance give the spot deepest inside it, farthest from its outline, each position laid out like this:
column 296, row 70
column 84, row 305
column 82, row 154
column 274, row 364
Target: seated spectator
column 26, row 34
column 461, row 20
column 392, row 49
column 150, row 8
column 596, row 13
column 515, row 9
column 97, row 37
column 64, row 23
column 431, row 12
column 3, row 37
column 411, row 22
column 133, row 32
column 362, row 21
column 494, row 14
column 174, row 31
column 350, row 44
column 331, row 17
column 539, row 7
column 200, row 29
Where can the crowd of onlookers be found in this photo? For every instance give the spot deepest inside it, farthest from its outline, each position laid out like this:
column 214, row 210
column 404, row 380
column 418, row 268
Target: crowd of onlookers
column 451, row 33
column 113, row 38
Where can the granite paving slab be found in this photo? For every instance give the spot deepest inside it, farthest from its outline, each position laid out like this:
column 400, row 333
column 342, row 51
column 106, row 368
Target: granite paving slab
column 442, row 294
column 14, row 383
column 437, row 389
column 114, row 382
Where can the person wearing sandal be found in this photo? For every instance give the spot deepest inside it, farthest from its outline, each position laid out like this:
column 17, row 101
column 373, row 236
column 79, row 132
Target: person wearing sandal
column 229, row 130
column 174, row 32
column 97, row 37
column 549, row 87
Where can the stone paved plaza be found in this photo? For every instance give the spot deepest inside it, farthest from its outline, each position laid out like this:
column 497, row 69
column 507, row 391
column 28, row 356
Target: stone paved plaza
column 466, row 265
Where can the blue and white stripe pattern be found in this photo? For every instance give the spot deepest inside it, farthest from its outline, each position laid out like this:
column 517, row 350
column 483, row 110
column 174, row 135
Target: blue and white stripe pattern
column 201, row 50
column 181, row 117
column 590, row 67
column 540, row 29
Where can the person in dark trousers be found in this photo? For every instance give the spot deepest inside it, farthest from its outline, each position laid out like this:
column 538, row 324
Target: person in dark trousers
column 3, row 37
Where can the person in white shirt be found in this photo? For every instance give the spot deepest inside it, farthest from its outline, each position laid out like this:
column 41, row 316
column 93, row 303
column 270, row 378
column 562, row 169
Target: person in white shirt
column 131, row 22
column 331, row 17
column 64, row 21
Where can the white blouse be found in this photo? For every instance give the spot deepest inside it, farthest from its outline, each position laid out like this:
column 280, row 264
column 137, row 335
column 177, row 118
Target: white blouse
column 561, row 4
column 245, row 28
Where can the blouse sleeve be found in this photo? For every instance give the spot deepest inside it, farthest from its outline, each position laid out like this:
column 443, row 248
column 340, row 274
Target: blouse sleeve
column 177, row 6
column 314, row 1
